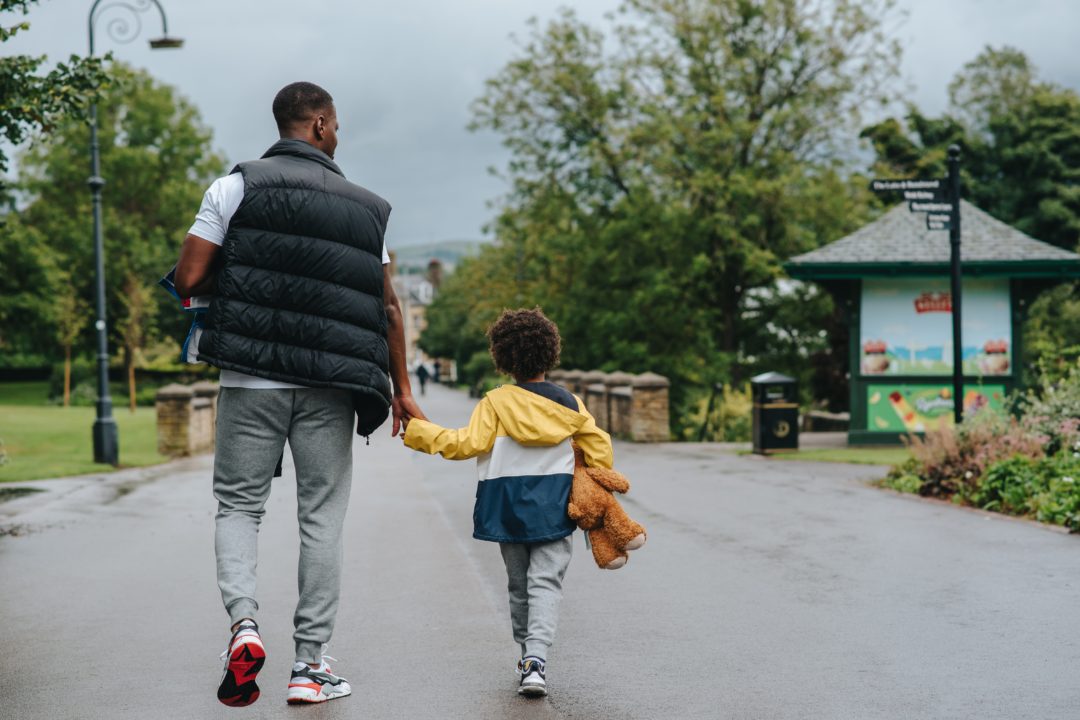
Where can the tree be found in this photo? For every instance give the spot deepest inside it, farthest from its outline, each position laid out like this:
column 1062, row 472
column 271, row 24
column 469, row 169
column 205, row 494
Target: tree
column 1021, row 142
column 139, row 306
column 660, row 176
column 26, row 292
column 30, row 101
column 157, row 159
column 71, row 314
column 1021, row 163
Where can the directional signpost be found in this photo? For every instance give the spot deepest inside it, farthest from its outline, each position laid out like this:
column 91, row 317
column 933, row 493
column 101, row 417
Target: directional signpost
column 940, row 200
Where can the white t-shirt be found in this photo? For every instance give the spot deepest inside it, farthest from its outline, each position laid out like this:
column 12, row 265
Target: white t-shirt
column 218, row 206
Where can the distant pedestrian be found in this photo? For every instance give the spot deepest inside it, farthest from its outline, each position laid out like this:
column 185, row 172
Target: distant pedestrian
column 308, row 333
column 422, row 376
column 438, row 371
column 520, row 435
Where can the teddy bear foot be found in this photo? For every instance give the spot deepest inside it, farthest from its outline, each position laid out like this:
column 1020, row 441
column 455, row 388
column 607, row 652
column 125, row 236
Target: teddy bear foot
column 616, row 563
column 637, row 542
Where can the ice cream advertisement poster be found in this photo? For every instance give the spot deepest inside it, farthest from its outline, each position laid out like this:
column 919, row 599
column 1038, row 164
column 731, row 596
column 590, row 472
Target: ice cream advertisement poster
column 918, row 408
column 906, row 327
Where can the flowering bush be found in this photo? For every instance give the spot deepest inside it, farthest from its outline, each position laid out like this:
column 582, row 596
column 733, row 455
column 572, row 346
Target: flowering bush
column 1053, row 410
column 1028, row 467
column 949, row 460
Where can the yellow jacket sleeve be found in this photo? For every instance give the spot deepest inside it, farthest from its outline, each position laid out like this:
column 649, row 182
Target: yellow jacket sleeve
column 594, row 442
column 461, row 444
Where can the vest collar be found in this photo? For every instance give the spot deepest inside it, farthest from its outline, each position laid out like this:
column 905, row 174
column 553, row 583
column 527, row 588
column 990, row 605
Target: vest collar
column 299, row 148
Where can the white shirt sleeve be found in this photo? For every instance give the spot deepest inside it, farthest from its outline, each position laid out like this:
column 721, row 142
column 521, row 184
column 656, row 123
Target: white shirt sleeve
column 219, row 205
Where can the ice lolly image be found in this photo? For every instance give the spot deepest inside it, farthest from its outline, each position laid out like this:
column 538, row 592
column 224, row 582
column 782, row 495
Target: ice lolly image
column 905, row 412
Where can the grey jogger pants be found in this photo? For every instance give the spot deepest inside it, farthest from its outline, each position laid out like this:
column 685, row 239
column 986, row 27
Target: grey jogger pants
column 534, row 575
column 252, row 426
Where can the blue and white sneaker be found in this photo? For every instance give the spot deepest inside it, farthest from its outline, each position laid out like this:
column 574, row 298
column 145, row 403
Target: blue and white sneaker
column 532, row 683
column 308, row 685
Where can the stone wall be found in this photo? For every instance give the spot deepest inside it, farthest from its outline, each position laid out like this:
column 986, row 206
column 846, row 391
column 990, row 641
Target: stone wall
column 186, row 418
column 631, row 407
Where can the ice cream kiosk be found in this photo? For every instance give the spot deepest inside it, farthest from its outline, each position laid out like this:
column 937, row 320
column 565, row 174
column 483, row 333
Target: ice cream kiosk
column 891, row 280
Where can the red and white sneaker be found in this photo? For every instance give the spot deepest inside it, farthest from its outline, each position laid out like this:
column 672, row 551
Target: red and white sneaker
column 245, row 658
column 308, row 685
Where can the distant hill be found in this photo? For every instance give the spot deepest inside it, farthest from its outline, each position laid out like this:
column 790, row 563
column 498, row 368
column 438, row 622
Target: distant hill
column 415, row 258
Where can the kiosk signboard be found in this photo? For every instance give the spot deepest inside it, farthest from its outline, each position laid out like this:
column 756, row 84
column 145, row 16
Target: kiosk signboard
column 906, row 327
column 919, row 408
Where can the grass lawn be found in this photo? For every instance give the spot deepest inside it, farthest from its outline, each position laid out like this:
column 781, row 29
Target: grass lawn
column 854, row 455
column 24, row 393
column 43, row 441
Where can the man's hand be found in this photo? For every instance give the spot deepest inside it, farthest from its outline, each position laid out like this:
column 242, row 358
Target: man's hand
column 405, row 409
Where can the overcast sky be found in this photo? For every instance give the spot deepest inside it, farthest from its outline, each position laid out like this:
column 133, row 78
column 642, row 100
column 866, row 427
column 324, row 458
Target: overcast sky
column 403, row 73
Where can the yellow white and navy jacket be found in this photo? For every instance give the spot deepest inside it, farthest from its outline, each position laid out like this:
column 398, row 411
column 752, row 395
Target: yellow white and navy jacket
column 521, row 441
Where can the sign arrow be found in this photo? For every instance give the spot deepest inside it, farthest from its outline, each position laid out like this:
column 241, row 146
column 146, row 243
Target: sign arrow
column 902, row 185
column 937, row 224
column 924, row 195
column 932, row 207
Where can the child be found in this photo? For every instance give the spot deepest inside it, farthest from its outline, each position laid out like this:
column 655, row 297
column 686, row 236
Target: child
column 520, row 435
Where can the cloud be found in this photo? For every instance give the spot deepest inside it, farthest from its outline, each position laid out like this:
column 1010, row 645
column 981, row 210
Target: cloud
column 404, row 72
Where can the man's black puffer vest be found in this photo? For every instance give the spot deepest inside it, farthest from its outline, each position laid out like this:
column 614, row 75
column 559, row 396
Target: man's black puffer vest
column 300, row 292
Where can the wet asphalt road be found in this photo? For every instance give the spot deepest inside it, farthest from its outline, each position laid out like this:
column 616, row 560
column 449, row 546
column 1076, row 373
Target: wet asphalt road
column 768, row 589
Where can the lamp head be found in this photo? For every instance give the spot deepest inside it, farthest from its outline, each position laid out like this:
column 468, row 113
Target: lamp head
column 166, row 43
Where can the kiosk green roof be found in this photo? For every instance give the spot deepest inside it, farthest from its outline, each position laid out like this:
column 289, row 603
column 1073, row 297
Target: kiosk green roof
column 899, row 243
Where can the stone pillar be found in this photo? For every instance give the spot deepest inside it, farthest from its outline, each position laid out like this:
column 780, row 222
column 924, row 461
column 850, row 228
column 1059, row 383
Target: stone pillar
column 205, row 412
column 556, row 376
column 174, row 408
column 572, row 382
column 595, row 396
column 205, row 415
column 649, row 420
column 618, row 403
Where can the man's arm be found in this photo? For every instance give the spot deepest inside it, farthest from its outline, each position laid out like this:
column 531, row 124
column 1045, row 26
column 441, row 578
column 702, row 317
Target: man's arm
column 196, row 270
column 403, row 404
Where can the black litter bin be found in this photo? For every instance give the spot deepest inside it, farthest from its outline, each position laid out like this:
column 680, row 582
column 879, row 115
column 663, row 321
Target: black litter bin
column 776, row 413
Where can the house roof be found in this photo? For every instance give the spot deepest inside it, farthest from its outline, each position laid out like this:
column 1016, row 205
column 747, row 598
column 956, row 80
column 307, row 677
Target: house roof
column 899, row 243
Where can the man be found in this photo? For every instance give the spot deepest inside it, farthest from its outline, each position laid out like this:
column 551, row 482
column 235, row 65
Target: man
column 305, row 327
column 422, row 375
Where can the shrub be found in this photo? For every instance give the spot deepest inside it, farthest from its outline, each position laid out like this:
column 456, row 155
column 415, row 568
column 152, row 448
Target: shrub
column 950, row 460
column 84, row 394
column 1047, row 489
column 905, row 477
column 83, row 370
column 1006, row 486
column 1053, row 410
column 719, row 415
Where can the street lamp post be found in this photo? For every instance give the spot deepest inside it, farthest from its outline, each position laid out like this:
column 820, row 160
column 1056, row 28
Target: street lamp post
column 122, row 29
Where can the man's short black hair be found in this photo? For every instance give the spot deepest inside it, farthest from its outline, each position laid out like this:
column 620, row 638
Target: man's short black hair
column 524, row 343
column 297, row 102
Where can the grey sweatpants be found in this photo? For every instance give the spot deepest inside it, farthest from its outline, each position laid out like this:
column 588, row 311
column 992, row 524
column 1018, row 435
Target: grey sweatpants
column 252, row 426
column 534, row 575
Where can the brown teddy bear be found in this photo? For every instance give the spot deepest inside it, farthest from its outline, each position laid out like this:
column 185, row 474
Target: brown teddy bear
column 594, row 508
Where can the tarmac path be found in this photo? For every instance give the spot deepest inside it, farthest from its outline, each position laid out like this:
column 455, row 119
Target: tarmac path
column 768, row 589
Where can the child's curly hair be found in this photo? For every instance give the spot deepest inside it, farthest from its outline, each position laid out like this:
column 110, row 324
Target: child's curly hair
column 524, row 343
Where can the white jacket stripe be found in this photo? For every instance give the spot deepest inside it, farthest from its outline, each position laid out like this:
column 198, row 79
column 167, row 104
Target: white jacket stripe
column 509, row 458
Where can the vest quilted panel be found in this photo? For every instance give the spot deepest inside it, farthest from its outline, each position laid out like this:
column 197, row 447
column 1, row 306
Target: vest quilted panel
column 300, row 291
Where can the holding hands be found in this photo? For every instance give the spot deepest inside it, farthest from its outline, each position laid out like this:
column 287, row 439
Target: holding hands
column 404, row 408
